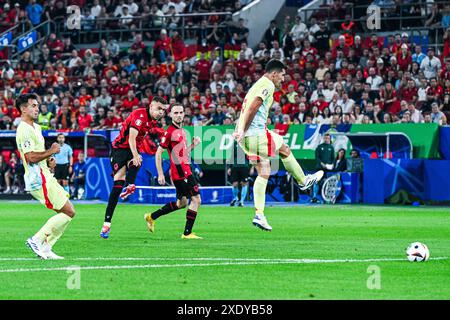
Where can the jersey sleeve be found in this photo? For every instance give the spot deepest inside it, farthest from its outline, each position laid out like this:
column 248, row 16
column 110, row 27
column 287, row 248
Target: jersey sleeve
column 165, row 140
column 26, row 141
column 136, row 121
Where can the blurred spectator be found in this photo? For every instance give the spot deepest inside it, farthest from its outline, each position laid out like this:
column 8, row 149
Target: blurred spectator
column 78, row 177
column 34, row 11
column 273, row 33
column 5, row 176
column 340, row 163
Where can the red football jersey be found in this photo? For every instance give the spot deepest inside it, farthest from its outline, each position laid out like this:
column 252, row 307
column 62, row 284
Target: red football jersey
column 174, row 140
column 140, row 120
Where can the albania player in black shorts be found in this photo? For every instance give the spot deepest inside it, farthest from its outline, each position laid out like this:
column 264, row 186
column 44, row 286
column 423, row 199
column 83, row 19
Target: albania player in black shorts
column 125, row 158
column 174, row 140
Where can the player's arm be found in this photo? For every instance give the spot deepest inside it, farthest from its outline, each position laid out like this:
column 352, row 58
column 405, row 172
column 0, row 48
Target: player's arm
column 137, row 160
column 249, row 115
column 195, row 142
column 38, row 156
column 159, row 168
column 71, row 161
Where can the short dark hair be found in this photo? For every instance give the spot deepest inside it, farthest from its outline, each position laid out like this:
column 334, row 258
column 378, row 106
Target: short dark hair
column 23, row 99
column 275, row 65
column 176, row 104
column 159, row 99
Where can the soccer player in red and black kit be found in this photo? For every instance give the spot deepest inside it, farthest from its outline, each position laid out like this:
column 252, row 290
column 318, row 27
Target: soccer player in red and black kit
column 125, row 158
column 174, row 140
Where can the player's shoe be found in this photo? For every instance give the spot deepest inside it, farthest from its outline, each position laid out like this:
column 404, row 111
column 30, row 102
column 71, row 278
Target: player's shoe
column 50, row 254
column 128, row 191
column 241, row 204
column 191, row 235
column 36, row 246
column 310, row 179
column 232, row 203
column 150, row 222
column 260, row 221
column 105, row 232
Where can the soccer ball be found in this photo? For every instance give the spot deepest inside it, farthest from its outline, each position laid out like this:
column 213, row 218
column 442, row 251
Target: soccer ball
column 417, row 252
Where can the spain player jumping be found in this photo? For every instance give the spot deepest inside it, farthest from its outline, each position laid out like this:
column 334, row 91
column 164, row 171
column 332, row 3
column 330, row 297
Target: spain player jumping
column 260, row 144
column 39, row 181
column 125, row 158
column 174, row 140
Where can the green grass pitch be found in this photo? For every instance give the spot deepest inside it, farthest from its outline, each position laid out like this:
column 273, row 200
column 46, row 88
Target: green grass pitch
column 313, row 252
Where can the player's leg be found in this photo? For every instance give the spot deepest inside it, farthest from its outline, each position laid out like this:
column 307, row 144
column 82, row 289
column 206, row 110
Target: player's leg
column 293, row 167
column 65, row 180
column 119, row 182
column 190, row 189
column 259, row 194
column 235, row 193
column 244, row 192
column 191, row 215
column 150, row 218
column 130, row 178
column 56, row 198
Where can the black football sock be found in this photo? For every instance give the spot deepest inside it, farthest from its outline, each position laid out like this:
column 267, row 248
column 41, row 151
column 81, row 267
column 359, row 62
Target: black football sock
column 167, row 208
column 190, row 220
column 113, row 199
column 131, row 174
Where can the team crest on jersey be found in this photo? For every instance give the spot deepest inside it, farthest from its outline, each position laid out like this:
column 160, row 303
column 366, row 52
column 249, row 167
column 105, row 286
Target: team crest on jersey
column 27, row 144
column 138, row 122
column 265, row 92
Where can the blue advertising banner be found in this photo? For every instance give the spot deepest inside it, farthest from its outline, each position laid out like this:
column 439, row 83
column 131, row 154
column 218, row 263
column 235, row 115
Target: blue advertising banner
column 26, row 41
column 426, row 179
column 6, row 39
column 99, row 183
column 444, row 142
column 163, row 194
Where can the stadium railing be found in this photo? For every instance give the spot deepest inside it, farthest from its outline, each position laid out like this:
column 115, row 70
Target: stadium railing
column 102, row 27
column 42, row 31
column 327, row 14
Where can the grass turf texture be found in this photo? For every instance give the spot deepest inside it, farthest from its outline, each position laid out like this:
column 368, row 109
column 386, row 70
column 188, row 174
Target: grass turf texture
column 311, row 232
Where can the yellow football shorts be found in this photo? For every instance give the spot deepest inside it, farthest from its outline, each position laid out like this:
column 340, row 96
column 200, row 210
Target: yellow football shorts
column 52, row 194
column 261, row 147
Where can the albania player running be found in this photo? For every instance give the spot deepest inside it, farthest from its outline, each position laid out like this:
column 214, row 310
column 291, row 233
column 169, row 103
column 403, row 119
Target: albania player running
column 125, row 159
column 174, row 140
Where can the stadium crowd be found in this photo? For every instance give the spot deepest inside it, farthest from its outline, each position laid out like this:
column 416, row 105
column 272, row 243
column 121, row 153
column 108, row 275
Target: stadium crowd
column 355, row 78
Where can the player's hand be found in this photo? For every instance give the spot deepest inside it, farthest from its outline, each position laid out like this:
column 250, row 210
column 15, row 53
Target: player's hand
column 162, row 180
column 196, row 141
column 238, row 136
column 55, row 148
column 51, row 163
column 229, row 171
column 137, row 160
column 70, row 169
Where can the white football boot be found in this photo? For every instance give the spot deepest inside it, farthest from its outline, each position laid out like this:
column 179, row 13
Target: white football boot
column 36, row 246
column 310, row 179
column 260, row 221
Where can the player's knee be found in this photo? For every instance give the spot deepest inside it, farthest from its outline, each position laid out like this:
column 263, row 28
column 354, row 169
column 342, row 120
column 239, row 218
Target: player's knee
column 197, row 200
column 182, row 203
column 70, row 212
column 235, row 184
column 284, row 151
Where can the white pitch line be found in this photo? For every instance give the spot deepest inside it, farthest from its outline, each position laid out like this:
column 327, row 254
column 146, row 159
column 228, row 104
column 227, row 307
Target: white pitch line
column 231, row 263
